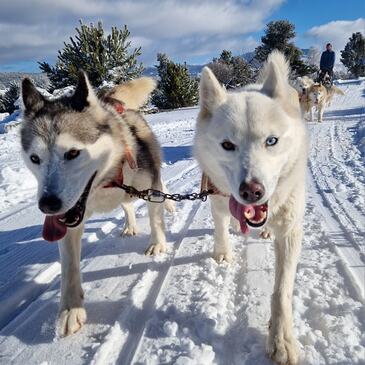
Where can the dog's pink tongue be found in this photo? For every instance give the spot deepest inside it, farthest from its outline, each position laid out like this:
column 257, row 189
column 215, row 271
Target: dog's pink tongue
column 53, row 229
column 238, row 210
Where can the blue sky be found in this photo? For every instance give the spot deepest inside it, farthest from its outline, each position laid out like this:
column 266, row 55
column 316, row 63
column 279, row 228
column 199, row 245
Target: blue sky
column 306, row 14
column 186, row 30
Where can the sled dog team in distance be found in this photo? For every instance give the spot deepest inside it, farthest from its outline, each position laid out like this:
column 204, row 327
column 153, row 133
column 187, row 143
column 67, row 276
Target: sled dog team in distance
column 251, row 145
column 316, row 94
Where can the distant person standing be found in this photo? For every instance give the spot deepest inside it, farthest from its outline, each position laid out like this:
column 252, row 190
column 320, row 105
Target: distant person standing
column 327, row 62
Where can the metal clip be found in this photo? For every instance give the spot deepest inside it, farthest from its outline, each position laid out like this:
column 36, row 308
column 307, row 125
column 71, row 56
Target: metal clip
column 155, row 196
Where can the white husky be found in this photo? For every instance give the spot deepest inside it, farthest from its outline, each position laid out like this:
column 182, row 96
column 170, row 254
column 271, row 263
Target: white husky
column 252, row 145
column 303, row 86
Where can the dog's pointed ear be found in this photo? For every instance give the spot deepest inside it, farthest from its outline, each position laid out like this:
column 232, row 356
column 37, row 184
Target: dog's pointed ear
column 84, row 95
column 33, row 100
column 211, row 93
column 274, row 76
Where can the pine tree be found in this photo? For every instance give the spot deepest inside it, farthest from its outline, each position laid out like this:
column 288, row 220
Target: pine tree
column 231, row 71
column 242, row 72
column 158, row 97
column 9, row 98
column 105, row 58
column 176, row 88
column 223, row 72
column 277, row 36
column 353, row 56
column 226, row 57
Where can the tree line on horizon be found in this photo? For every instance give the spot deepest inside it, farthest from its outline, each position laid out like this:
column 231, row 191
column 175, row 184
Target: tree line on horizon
column 109, row 59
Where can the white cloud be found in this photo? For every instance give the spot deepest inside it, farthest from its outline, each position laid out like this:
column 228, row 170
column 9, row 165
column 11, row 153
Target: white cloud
column 183, row 29
column 336, row 32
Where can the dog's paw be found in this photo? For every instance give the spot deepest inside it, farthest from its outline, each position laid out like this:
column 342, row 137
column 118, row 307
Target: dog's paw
column 170, row 206
column 221, row 257
column 71, row 320
column 282, row 348
column 129, row 231
column 266, row 234
column 155, row 249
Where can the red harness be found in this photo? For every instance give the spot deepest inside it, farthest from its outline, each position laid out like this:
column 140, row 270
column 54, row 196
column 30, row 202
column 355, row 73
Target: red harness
column 118, row 179
column 206, row 184
column 119, row 108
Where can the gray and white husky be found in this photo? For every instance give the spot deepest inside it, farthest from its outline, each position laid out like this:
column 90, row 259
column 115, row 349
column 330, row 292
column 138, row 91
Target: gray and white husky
column 78, row 147
column 252, row 145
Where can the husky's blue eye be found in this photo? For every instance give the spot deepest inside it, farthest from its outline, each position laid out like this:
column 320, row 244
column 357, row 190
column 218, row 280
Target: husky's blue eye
column 35, row 159
column 271, row 141
column 71, row 154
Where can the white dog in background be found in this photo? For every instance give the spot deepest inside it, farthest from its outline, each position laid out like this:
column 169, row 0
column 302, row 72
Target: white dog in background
column 252, row 145
column 303, row 86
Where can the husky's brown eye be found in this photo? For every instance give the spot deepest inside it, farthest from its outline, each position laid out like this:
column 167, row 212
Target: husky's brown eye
column 35, row 159
column 228, row 146
column 71, row 154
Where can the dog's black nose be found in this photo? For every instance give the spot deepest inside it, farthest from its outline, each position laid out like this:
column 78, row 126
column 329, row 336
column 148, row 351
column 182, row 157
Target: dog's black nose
column 49, row 204
column 252, row 191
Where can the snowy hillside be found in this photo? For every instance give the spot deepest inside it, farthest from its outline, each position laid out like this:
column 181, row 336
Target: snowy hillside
column 182, row 308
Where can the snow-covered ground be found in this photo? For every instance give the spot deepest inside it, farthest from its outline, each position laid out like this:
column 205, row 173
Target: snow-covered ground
column 182, row 308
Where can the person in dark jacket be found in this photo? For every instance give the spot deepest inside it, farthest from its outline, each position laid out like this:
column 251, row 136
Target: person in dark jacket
column 327, row 62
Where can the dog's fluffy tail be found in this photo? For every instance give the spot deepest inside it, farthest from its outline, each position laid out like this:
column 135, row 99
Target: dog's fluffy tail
column 337, row 90
column 133, row 94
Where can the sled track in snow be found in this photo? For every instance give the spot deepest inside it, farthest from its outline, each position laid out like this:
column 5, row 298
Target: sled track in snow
column 342, row 217
column 117, row 344
column 27, row 292
column 353, row 265
column 130, row 346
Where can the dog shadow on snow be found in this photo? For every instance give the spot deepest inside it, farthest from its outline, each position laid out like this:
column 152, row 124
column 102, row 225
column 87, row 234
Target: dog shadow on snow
column 43, row 325
column 20, row 296
column 195, row 332
column 343, row 113
column 240, row 341
column 239, row 344
column 195, row 328
column 173, row 154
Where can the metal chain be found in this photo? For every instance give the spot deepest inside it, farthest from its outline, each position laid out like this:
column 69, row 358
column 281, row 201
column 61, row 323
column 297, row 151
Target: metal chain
column 156, row 196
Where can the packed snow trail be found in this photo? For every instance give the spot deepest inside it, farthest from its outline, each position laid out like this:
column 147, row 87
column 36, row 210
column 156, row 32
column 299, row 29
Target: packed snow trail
column 182, row 307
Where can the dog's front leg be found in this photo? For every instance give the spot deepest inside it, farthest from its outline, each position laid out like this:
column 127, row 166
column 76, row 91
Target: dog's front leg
column 157, row 223
column 221, row 217
column 72, row 312
column 320, row 113
column 130, row 226
column 282, row 347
